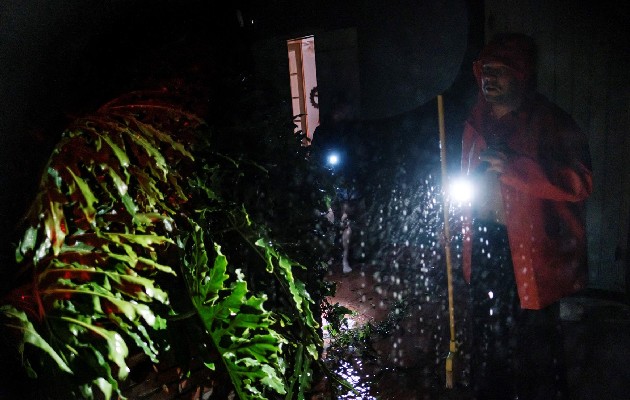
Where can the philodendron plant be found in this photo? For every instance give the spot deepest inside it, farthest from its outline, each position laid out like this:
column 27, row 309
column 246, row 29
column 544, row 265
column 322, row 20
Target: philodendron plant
column 133, row 216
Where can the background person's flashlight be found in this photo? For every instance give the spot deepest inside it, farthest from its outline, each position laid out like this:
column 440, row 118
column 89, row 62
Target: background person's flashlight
column 333, row 159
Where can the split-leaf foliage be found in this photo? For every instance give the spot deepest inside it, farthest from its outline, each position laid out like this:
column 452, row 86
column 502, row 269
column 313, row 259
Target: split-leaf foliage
column 145, row 215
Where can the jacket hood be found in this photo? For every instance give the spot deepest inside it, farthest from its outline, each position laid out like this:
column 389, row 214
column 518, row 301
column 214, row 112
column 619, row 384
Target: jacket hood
column 515, row 50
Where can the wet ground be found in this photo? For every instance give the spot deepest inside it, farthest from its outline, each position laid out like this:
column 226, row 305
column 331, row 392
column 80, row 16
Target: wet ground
column 396, row 340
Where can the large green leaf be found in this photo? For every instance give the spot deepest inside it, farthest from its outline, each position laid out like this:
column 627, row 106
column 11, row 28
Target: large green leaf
column 116, row 345
column 88, row 200
column 18, row 321
column 149, row 130
column 239, row 326
column 121, row 155
column 55, row 227
column 281, row 264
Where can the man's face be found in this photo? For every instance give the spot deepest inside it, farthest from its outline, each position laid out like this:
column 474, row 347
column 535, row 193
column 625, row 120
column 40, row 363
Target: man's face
column 499, row 84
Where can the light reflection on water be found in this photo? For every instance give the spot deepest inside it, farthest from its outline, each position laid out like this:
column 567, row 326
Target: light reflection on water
column 353, row 376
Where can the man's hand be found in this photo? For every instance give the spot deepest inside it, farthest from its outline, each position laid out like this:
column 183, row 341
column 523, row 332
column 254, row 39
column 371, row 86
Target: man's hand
column 495, row 159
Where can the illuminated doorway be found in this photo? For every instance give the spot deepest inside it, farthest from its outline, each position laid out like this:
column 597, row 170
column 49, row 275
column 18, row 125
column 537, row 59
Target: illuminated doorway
column 303, row 79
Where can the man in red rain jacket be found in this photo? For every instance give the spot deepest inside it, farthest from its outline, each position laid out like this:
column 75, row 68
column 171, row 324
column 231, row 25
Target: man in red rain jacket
column 524, row 244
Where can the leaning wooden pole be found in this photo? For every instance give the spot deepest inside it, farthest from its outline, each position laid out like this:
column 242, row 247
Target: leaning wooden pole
column 447, row 246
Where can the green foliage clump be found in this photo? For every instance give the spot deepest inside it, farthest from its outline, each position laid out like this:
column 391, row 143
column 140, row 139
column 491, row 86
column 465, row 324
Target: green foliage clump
column 148, row 215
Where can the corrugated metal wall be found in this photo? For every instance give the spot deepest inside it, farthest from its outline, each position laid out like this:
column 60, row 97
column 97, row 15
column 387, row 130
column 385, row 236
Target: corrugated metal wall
column 584, row 66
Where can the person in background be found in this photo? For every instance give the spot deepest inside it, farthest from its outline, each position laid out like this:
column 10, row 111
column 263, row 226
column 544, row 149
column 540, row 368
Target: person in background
column 524, row 239
column 337, row 143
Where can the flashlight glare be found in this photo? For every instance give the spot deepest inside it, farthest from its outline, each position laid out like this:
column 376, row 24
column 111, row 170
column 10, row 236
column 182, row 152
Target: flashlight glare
column 461, row 190
column 333, row 159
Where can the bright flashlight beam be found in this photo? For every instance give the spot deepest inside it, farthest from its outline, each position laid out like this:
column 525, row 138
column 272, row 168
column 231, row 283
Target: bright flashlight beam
column 333, row 159
column 461, row 190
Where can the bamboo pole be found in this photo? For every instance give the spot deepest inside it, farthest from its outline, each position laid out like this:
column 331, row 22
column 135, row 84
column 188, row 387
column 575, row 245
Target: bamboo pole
column 447, row 246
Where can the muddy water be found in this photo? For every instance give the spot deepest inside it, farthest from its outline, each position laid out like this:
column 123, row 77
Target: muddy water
column 397, row 336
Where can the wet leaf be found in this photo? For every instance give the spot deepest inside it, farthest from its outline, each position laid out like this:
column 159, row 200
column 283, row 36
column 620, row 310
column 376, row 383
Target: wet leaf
column 158, row 165
column 18, row 320
column 55, row 225
column 106, row 387
column 146, row 241
column 149, row 130
column 27, row 244
column 87, row 197
column 117, row 348
column 122, row 189
column 122, row 157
